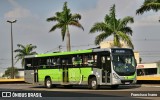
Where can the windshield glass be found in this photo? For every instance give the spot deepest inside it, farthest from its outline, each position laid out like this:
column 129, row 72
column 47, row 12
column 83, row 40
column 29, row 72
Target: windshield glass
column 124, row 64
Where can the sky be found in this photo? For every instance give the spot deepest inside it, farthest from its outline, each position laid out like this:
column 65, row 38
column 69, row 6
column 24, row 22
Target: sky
column 32, row 28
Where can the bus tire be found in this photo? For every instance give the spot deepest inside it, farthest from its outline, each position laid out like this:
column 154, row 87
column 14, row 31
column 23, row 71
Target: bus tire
column 48, row 83
column 114, row 86
column 93, row 83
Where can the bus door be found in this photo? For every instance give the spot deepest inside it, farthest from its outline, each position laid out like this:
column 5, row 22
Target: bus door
column 35, row 66
column 106, row 68
column 29, row 74
column 65, row 71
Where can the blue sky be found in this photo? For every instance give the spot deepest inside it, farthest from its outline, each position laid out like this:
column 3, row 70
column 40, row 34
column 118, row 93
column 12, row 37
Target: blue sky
column 32, row 28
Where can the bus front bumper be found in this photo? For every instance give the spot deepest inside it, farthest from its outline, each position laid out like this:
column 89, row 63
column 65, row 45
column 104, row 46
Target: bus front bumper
column 124, row 82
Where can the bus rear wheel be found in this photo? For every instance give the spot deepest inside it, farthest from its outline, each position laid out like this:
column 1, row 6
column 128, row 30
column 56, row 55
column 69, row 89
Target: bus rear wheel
column 48, row 83
column 93, row 83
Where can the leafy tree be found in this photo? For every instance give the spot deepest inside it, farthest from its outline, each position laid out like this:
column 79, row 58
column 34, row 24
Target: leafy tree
column 8, row 72
column 23, row 51
column 64, row 19
column 149, row 5
column 113, row 26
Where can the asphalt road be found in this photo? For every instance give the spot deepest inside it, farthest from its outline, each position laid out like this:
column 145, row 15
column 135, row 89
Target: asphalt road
column 134, row 92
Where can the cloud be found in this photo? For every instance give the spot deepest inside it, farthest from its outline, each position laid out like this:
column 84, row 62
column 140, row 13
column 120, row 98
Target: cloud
column 13, row 3
column 97, row 14
column 150, row 20
column 17, row 11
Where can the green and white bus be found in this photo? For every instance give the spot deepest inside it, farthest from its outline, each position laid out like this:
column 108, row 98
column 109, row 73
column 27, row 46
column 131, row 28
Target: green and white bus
column 92, row 67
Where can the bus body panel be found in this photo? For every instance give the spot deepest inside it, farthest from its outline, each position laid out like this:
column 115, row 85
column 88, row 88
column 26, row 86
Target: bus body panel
column 97, row 72
column 79, row 75
column 86, row 72
column 29, row 76
column 74, row 74
column 54, row 74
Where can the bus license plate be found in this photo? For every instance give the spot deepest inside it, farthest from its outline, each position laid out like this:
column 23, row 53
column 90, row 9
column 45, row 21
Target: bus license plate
column 127, row 82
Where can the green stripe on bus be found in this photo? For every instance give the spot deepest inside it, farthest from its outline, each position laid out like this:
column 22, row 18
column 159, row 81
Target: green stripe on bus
column 64, row 53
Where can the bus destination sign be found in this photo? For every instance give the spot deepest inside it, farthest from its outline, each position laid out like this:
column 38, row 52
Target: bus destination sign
column 121, row 51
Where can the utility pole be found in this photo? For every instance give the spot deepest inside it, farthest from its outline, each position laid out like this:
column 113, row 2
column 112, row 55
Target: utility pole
column 12, row 66
column 59, row 47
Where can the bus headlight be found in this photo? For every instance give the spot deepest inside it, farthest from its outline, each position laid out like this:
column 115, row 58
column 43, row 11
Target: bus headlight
column 115, row 76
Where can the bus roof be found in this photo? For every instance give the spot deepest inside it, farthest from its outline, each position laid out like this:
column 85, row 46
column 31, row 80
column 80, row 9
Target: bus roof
column 71, row 52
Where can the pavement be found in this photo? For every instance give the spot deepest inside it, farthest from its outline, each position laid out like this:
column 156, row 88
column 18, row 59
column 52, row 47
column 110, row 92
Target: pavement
column 142, row 84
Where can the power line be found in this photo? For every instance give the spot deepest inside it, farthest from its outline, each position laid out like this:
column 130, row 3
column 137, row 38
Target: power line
column 156, row 39
column 150, row 56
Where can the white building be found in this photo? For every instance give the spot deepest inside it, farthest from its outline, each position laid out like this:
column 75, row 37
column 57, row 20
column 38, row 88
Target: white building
column 20, row 73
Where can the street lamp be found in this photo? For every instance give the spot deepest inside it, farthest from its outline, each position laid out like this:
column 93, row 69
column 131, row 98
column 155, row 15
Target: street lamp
column 12, row 71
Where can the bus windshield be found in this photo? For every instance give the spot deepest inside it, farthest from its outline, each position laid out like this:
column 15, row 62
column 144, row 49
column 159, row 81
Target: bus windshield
column 124, row 64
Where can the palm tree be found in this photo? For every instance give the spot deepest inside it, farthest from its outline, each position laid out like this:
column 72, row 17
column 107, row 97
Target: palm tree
column 64, row 19
column 8, row 71
column 112, row 26
column 149, row 5
column 23, row 51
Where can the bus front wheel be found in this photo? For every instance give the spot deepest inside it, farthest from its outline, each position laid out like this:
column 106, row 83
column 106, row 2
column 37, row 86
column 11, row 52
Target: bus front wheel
column 48, row 83
column 93, row 83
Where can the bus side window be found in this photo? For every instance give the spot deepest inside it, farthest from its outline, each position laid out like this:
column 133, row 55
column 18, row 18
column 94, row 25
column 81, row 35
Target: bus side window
column 90, row 60
column 77, row 60
column 54, row 63
column 43, row 61
column 108, row 62
column 48, row 61
column 73, row 60
column 64, row 61
column 28, row 64
column 95, row 60
column 58, row 61
column 85, row 60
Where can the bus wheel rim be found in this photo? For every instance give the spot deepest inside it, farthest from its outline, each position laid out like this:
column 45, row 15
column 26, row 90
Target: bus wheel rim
column 94, row 83
column 48, row 83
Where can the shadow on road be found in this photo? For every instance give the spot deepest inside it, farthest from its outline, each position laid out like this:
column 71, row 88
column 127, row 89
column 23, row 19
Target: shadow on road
column 85, row 87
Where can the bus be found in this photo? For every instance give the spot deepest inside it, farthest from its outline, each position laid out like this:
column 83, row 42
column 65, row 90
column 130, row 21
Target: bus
column 91, row 67
column 148, row 71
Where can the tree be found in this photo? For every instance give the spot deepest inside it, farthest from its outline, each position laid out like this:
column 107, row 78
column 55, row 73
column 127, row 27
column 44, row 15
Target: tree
column 149, row 5
column 112, row 26
column 64, row 19
column 7, row 73
column 23, row 51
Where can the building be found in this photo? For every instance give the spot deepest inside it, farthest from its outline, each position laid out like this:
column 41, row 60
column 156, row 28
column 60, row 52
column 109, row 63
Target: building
column 1, row 75
column 20, row 73
column 148, row 69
